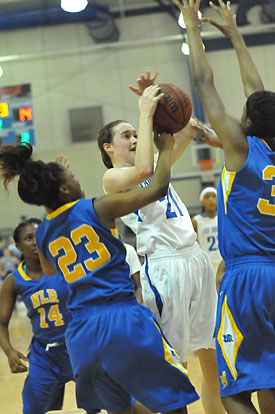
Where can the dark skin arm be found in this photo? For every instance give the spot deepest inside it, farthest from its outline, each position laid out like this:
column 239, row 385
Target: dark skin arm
column 249, row 73
column 8, row 297
column 220, row 274
column 111, row 206
column 194, row 222
column 137, row 285
column 227, row 128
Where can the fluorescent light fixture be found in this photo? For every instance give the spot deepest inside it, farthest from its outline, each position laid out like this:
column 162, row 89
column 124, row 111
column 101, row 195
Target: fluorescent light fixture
column 73, row 6
column 181, row 21
column 1, row 71
column 185, row 48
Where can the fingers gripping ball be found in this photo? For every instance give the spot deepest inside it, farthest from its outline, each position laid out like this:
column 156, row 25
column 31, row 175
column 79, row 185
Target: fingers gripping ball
column 173, row 110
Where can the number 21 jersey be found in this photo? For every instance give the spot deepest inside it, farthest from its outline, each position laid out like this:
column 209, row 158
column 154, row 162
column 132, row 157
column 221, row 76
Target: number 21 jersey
column 164, row 225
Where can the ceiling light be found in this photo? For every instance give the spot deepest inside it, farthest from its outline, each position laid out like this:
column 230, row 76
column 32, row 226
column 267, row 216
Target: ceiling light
column 181, row 21
column 185, row 47
column 73, row 6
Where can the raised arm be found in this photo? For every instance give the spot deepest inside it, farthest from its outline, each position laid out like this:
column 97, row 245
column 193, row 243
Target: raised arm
column 116, row 179
column 112, row 206
column 183, row 137
column 249, row 73
column 226, row 127
column 7, row 304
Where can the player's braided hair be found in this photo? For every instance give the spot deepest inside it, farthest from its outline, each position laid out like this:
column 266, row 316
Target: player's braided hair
column 105, row 135
column 260, row 109
column 38, row 182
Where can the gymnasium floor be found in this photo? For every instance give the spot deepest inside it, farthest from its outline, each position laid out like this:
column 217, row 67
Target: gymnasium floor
column 11, row 384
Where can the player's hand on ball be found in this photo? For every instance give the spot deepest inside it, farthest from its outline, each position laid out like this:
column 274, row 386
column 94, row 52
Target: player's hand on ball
column 149, row 100
column 143, row 82
column 164, row 141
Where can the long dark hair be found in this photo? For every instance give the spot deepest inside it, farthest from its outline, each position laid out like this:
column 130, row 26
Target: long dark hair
column 38, row 182
column 106, row 135
column 260, row 109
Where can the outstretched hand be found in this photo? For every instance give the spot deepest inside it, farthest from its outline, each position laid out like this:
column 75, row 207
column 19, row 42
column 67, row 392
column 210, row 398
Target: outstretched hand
column 189, row 10
column 229, row 26
column 62, row 160
column 208, row 136
column 143, row 82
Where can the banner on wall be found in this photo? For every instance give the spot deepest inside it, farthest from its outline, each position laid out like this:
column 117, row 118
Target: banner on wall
column 16, row 115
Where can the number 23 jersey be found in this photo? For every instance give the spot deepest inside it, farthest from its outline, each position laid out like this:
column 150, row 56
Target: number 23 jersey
column 90, row 255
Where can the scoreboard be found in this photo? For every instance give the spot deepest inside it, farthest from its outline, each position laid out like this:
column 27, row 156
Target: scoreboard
column 16, row 115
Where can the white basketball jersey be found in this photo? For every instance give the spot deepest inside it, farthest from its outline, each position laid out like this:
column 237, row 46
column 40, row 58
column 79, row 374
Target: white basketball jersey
column 132, row 259
column 207, row 231
column 162, row 225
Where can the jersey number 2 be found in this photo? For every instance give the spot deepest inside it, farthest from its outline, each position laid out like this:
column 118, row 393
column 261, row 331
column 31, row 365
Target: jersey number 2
column 171, row 205
column 99, row 254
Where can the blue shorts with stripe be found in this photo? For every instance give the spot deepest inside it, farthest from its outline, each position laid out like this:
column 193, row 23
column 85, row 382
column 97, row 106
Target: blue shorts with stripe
column 49, row 370
column 118, row 351
column 245, row 327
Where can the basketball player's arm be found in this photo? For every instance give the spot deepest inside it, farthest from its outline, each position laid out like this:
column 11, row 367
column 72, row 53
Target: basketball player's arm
column 112, row 206
column 209, row 137
column 220, row 274
column 227, row 128
column 185, row 136
column 48, row 268
column 189, row 133
column 195, row 225
column 249, row 73
column 116, row 179
column 8, row 297
column 137, row 285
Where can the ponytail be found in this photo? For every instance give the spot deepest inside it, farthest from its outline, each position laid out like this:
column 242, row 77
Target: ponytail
column 13, row 160
column 38, row 182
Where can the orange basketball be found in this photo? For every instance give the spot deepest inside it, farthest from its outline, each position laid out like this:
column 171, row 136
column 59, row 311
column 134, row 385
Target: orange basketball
column 173, row 110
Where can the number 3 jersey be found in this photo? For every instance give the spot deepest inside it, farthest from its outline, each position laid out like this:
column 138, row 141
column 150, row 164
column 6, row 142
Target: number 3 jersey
column 246, row 205
column 164, row 225
column 90, row 255
column 45, row 300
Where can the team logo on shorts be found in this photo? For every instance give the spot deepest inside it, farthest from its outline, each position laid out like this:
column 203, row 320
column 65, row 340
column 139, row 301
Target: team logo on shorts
column 229, row 338
column 223, row 379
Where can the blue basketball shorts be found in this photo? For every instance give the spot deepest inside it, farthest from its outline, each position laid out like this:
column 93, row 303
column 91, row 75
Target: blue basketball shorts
column 49, row 370
column 245, row 327
column 118, row 351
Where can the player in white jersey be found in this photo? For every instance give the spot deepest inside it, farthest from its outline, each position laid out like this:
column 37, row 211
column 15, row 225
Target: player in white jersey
column 206, row 226
column 177, row 278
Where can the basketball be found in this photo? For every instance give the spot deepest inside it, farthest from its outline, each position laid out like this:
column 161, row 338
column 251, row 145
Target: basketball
column 173, row 110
